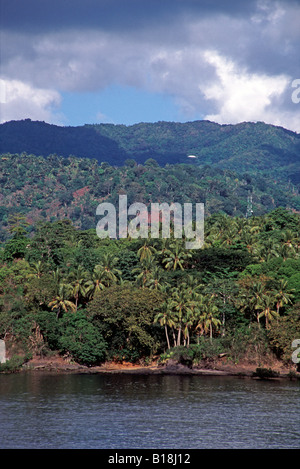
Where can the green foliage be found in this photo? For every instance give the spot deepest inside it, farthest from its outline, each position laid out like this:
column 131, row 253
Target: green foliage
column 281, row 219
column 294, row 285
column 284, row 332
column 73, row 293
column 59, row 188
column 205, row 350
column 222, row 260
column 63, row 289
column 82, row 340
column 182, row 355
column 51, row 329
column 244, row 343
column 14, row 364
column 124, row 315
column 15, row 248
column 249, row 343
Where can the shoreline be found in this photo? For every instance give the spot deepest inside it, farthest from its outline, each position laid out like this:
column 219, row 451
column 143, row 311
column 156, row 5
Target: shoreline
column 244, row 370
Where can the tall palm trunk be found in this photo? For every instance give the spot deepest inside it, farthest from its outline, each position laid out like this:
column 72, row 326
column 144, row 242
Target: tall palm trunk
column 167, row 336
column 174, row 337
column 179, row 336
column 188, row 339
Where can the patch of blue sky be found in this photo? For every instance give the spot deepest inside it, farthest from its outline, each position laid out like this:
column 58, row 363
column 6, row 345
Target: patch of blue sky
column 118, row 105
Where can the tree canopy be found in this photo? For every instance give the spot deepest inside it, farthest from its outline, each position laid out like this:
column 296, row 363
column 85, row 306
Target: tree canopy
column 97, row 299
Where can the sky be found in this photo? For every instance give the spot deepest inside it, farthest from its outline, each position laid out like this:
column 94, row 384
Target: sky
column 76, row 62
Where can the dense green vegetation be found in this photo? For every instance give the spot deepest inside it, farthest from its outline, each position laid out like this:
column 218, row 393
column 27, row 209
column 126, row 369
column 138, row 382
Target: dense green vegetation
column 246, row 147
column 54, row 188
column 64, row 290
column 250, row 147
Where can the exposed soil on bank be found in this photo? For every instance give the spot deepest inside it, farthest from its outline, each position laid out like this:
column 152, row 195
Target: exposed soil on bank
column 217, row 368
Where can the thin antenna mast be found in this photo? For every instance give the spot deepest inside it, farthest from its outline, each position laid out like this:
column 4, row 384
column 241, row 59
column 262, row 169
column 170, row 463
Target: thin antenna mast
column 249, row 212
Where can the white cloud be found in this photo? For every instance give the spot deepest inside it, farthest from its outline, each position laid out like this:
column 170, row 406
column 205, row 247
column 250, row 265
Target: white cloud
column 20, row 100
column 268, row 11
column 242, row 96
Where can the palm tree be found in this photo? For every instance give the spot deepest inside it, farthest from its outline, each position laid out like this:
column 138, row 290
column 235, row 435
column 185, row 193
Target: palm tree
column 95, row 284
column 77, row 280
column 176, row 257
column 250, row 240
column 36, row 269
column 257, row 292
column 222, row 223
column 266, row 306
column 61, row 301
column 199, row 315
column 250, row 297
column 210, row 317
column 224, row 292
column 282, row 296
column 146, row 251
column 165, row 318
column 240, row 225
column 211, row 238
column 154, row 281
column 286, row 249
column 228, row 237
column 163, row 245
column 109, row 269
column 181, row 307
column 191, row 285
column 143, row 272
column 255, row 224
column 268, row 249
column 57, row 276
column 188, row 321
column 291, row 239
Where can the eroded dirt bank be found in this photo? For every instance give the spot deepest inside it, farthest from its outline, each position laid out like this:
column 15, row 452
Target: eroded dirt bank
column 61, row 365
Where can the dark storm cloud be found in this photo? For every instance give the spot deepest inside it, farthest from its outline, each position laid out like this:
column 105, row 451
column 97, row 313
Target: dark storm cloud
column 229, row 59
column 40, row 15
column 163, row 21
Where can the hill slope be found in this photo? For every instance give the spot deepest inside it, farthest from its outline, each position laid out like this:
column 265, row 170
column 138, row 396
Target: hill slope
column 148, row 162
column 47, row 189
column 243, row 147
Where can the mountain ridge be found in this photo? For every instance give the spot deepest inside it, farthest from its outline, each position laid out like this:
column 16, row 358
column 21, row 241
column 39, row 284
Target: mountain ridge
column 246, row 146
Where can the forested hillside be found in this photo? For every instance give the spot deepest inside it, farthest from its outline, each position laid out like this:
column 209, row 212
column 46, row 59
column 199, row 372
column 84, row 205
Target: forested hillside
column 245, row 147
column 47, row 189
column 65, row 291
column 254, row 147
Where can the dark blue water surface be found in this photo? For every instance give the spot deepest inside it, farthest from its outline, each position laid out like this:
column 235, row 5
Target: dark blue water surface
column 106, row 411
